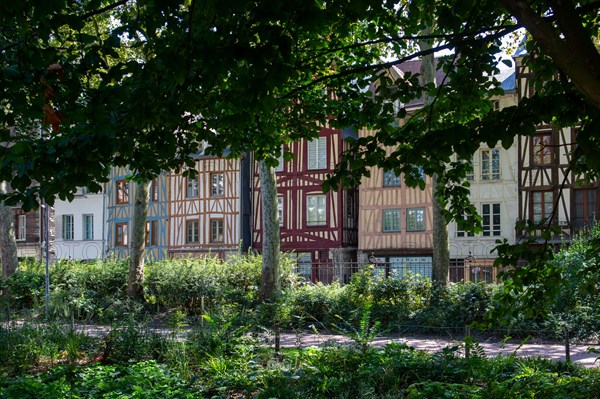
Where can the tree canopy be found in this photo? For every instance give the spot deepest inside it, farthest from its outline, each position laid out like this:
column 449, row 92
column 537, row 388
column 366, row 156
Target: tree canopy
column 143, row 83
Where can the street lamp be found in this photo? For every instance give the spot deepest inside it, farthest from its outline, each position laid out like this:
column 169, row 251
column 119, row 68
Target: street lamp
column 469, row 262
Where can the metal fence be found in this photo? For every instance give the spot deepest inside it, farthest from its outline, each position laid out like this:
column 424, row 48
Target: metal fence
column 328, row 272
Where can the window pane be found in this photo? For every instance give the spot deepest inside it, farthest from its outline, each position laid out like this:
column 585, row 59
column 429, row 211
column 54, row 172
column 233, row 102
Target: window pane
column 391, row 179
column 415, row 219
column 315, row 210
column 391, row 220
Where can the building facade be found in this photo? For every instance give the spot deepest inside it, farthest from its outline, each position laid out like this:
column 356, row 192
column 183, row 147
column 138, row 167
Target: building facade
column 80, row 226
column 319, row 229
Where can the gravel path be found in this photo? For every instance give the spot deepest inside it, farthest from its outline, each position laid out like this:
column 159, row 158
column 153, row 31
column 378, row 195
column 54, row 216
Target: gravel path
column 579, row 353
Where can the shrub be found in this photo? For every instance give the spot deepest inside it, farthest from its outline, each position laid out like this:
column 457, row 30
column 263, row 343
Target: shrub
column 191, row 284
column 24, row 289
column 86, row 290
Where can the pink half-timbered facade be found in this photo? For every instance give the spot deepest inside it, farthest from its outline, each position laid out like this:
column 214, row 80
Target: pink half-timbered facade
column 319, row 229
column 209, row 213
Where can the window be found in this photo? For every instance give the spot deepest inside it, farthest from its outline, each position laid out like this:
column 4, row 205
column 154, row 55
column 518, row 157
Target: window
column 317, row 153
column 121, row 235
column 542, row 205
column 401, row 266
column 151, row 233
column 216, row 230
column 154, row 190
column 122, row 192
column 542, row 149
column 21, row 226
column 88, row 227
column 67, row 227
column 280, row 209
column 584, row 212
column 462, row 233
column 391, row 179
column 350, row 207
column 491, row 219
column 304, row 265
column 391, row 220
column 216, row 181
column 315, row 210
column 490, row 165
column 415, row 219
column 192, row 187
column 280, row 161
column 192, row 231
column 471, row 172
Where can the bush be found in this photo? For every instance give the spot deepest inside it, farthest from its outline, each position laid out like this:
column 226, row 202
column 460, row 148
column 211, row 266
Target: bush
column 24, row 289
column 88, row 290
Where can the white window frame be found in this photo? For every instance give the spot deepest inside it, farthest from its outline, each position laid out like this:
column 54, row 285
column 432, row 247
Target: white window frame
column 21, row 233
column 193, row 227
column 192, row 188
column 217, row 230
column 490, row 164
column 68, row 227
column 471, row 173
column 316, row 210
column 391, row 179
column 217, row 184
column 413, row 221
column 317, row 153
column 491, row 215
column 280, row 209
column 87, row 230
column 463, row 233
column 280, row 161
column 391, row 220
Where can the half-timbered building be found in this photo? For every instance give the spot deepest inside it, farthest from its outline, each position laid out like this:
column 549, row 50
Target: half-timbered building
column 210, row 211
column 120, row 194
column 493, row 186
column 548, row 191
column 319, row 229
column 395, row 221
column 30, row 232
column 395, row 224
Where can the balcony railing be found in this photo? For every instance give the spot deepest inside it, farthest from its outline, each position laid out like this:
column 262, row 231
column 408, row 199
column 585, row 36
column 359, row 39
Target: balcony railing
column 567, row 229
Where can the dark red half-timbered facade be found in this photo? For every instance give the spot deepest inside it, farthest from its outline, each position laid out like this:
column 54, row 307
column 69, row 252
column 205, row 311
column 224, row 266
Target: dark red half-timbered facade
column 549, row 192
column 319, row 229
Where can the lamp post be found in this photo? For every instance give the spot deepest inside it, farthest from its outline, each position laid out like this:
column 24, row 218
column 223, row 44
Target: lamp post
column 469, row 262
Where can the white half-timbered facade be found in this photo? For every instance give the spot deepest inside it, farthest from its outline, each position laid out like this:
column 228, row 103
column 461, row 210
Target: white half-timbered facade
column 493, row 185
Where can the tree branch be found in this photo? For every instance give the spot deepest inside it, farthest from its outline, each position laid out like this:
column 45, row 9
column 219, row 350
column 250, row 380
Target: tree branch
column 103, row 9
column 389, row 64
column 576, row 61
column 443, row 37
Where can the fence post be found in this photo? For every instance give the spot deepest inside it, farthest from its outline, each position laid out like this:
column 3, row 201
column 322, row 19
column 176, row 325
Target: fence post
column 567, row 344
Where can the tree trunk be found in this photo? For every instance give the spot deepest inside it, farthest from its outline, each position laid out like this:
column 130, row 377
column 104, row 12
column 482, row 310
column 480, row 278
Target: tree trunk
column 8, row 243
column 441, row 254
column 138, row 240
column 270, row 283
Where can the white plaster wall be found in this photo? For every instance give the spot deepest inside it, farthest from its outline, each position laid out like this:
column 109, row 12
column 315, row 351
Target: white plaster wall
column 78, row 248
